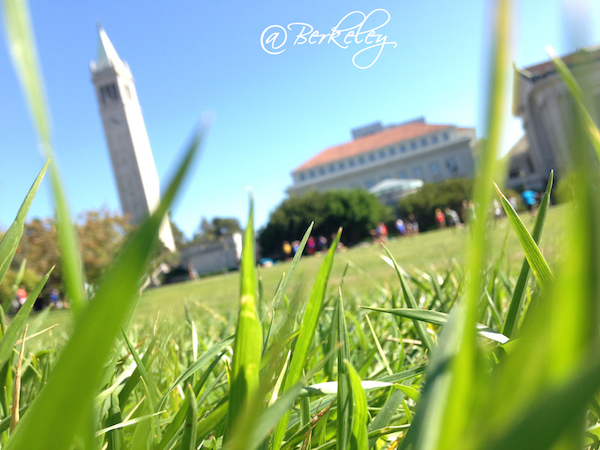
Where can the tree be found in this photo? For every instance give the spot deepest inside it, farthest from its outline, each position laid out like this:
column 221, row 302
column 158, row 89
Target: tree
column 101, row 234
column 357, row 211
column 178, row 236
column 216, row 228
column 423, row 203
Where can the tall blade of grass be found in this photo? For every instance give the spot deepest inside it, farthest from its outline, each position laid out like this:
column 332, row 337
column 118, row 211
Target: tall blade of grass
column 344, row 398
column 438, row 318
column 247, row 351
column 446, row 407
column 516, row 302
column 550, row 415
column 359, row 439
column 536, row 261
column 21, row 42
column 15, row 329
column 10, row 241
column 149, row 384
column 382, row 419
column 196, row 365
column 59, row 412
column 307, row 333
column 179, row 418
column 188, row 441
column 134, row 379
column 412, row 303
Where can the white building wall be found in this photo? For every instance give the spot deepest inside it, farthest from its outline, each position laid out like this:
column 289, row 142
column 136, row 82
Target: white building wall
column 389, row 163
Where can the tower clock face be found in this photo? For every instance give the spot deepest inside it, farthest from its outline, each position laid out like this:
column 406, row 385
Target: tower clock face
column 114, row 120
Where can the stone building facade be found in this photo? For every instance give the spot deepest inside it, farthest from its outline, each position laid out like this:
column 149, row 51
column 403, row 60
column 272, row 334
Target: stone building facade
column 410, row 150
column 545, row 106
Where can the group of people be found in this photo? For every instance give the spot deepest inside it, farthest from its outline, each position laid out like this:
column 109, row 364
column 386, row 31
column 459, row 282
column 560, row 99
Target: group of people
column 313, row 246
column 448, row 218
column 404, row 227
column 40, row 302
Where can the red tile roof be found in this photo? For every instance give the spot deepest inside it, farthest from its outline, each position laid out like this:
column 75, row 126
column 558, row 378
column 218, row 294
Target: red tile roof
column 371, row 142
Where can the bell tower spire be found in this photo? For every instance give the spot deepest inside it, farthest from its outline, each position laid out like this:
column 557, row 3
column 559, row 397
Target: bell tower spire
column 128, row 145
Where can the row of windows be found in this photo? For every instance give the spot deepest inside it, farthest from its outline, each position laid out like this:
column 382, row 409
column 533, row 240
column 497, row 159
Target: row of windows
column 416, row 172
column 374, row 156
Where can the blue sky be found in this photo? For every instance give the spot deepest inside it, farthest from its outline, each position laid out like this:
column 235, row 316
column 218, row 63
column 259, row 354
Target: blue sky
column 272, row 112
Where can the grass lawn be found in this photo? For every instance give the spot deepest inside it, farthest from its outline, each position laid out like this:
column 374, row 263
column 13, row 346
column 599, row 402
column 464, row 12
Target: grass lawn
column 434, row 248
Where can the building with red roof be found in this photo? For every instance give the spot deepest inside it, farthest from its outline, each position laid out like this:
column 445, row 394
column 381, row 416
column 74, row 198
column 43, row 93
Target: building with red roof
column 410, row 150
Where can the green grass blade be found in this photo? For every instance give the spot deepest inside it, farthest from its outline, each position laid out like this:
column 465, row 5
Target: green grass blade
column 24, row 55
column 61, row 409
column 382, row 419
column 438, row 318
column 516, row 302
column 359, row 439
column 10, row 241
column 288, row 276
column 536, row 261
column 134, row 379
column 15, row 329
column 196, row 365
column 188, row 441
column 179, row 418
column 410, row 300
column 307, row 333
column 247, row 351
column 344, row 398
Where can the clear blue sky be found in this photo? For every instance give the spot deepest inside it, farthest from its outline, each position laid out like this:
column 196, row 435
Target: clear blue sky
column 272, row 112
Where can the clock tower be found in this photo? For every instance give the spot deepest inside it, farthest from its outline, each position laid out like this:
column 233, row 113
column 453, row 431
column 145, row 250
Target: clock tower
column 126, row 136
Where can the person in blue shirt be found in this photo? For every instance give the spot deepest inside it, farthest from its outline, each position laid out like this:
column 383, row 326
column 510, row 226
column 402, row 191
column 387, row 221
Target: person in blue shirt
column 530, row 199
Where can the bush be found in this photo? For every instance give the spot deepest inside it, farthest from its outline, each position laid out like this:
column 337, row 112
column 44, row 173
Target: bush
column 447, row 194
column 355, row 210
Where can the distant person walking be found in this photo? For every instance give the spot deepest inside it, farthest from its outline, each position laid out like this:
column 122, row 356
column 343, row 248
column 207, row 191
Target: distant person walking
column 412, row 226
column 287, row 250
column 401, row 227
column 322, row 243
column 452, row 218
column 311, row 245
column 440, row 219
column 382, row 232
column 530, row 199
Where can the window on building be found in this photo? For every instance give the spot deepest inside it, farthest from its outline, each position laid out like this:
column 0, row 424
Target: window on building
column 331, row 169
column 381, row 154
column 371, row 156
column 312, row 173
column 446, row 136
column 302, row 176
column 403, row 149
column 434, row 139
column 370, row 183
column 109, row 93
column 351, row 163
column 342, row 166
column 392, row 151
column 402, row 174
column 413, row 145
column 361, row 160
column 322, row 171
column 451, row 165
column 127, row 92
column 423, row 142
column 417, row 172
column 434, row 168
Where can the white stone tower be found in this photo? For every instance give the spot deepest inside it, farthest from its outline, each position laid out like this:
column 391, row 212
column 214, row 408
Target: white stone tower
column 126, row 136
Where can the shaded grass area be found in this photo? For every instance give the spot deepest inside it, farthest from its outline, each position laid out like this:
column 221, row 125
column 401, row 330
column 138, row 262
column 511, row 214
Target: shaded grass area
column 431, row 249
